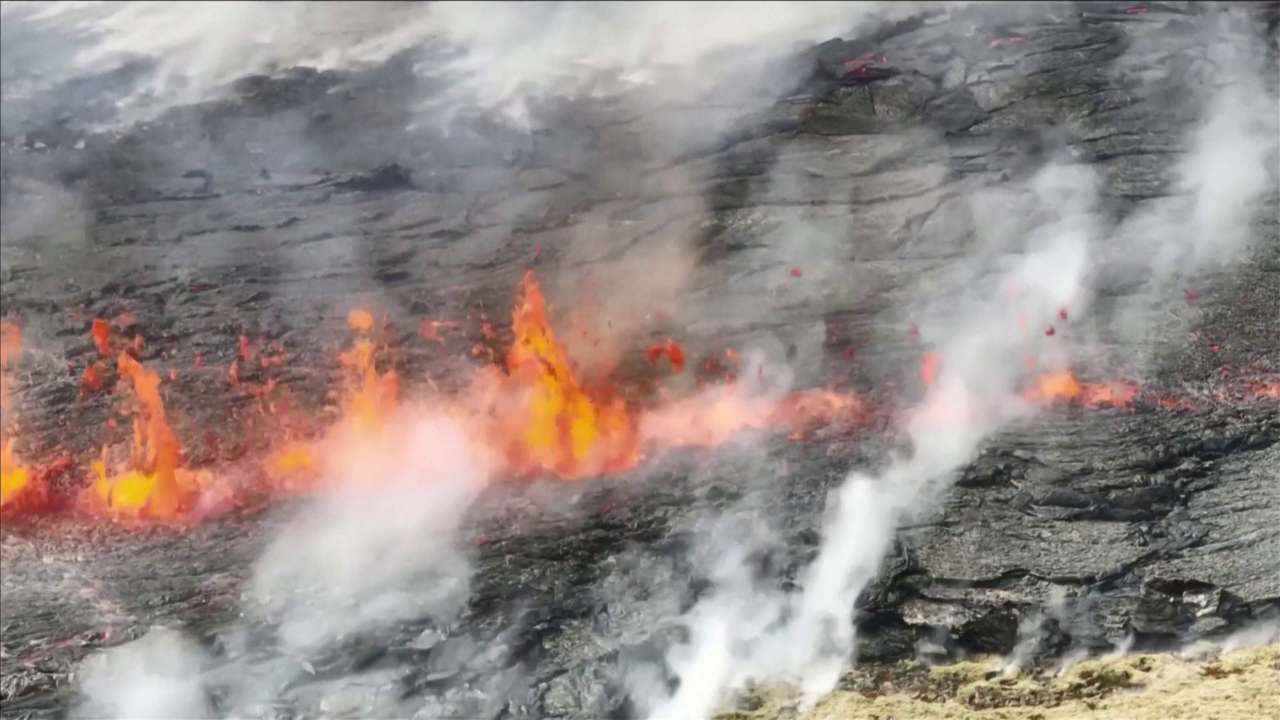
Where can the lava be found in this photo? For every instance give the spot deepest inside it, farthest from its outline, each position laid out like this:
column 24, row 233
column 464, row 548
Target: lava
column 154, row 486
column 19, row 488
column 535, row 412
column 1062, row 386
column 674, row 353
column 371, row 394
column 559, row 427
column 10, row 346
column 102, row 336
column 929, row 364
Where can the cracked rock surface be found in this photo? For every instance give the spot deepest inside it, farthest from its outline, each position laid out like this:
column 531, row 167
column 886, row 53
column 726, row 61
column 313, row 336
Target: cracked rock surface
column 288, row 206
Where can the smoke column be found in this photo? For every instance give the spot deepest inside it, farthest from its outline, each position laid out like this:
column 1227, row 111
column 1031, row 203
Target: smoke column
column 741, row 634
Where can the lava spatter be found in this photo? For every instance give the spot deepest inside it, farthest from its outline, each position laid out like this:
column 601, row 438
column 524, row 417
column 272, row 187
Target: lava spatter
column 1063, row 386
column 20, row 490
column 153, row 486
column 371, row 395
column 558, row 426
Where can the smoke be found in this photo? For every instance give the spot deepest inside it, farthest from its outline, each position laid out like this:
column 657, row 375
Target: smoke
column 1039, row 248
column 693, row 72
column 1216, row 189
column 364, row 557
column 516, row 53
column 1032, row 631
column 155, row 677
column 505, row 58
column 382, row 546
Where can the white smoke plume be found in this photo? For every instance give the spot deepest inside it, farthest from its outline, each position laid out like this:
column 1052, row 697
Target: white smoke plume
column 153, row 678
column 366, row 559
column 511, row 53
column 382, row 546
column 1051, row 242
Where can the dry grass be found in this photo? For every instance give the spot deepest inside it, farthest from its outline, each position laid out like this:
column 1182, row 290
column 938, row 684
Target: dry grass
column 1240, row 685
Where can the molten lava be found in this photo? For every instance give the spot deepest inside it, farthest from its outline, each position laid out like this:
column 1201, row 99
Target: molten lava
column 535, row 412
column 1064, row 387
column 558, row 426
column 154, row 486
column 19, row 489
column 674, row 353
column 15, row 478
column 929, row 368
column 372, row 395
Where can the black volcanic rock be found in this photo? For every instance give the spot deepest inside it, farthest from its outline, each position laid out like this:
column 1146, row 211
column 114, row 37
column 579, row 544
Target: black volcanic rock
column 1150, row 523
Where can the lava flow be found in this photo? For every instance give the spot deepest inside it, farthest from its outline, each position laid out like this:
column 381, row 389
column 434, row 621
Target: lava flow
column 1064, row 387
column 18, row 489
column 542, row 418
column 371, row 395
column 153, row 486
column 536, row 414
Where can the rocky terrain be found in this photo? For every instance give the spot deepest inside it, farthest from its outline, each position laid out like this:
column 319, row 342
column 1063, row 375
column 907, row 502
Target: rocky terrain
column 814, row 215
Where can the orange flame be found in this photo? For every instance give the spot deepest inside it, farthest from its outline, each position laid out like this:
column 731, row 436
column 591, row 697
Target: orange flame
column 372, row 395
column 537, row 411
column 370, row 398
column 155, row 487
column 19, row 489
column 102, row 336
column 561, row 428
column 16, row 485
column 1064, row 387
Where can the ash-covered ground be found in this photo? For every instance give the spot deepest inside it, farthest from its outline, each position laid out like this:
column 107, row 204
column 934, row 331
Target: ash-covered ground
column 836, row 204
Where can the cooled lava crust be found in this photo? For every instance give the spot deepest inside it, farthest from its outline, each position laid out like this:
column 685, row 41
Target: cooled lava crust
column 1163, row 522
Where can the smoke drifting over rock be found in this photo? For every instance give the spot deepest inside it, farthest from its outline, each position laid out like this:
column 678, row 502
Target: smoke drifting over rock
column 1005, row 190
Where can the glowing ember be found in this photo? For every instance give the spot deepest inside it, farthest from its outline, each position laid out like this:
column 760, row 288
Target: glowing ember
column 1064, row 387
column 1270, row 390
column 360, row 320
column 155, row 487
column 102, row 336
column 673, row 351
column 929, row 365
column 91, row 381
column 433, row 330
column 1014, row 40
